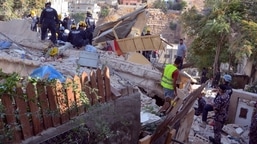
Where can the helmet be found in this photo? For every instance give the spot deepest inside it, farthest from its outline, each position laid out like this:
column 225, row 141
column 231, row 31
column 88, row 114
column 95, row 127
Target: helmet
column 227, row 78
column 61, row 28
column 48, row 3
column 73, row 27
column 89, row 13
column 59, row 16
column 32, row 13
column 82, row 24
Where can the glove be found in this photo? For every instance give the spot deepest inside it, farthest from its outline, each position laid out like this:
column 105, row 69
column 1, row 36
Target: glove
column 39, row 25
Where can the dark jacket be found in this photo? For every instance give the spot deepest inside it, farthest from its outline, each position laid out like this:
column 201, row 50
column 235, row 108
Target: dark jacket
column 49, row 15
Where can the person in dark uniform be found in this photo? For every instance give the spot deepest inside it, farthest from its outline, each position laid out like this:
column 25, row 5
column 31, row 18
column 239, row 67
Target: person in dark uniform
column 48, row 20
column 209, row 107
column 220, row 107
column 90, row 22
column 78, row 38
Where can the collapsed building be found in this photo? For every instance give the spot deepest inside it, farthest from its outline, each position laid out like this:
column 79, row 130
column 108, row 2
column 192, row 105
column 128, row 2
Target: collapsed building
column 127, row 69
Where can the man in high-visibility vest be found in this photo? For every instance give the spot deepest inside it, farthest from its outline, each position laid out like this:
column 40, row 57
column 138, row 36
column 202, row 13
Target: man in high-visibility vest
column 168, row 82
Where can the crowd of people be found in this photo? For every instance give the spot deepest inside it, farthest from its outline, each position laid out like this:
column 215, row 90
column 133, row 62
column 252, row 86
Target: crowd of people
column 67, row 30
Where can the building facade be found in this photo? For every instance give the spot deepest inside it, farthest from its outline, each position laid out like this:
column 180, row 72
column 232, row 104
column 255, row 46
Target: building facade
column 130, row 2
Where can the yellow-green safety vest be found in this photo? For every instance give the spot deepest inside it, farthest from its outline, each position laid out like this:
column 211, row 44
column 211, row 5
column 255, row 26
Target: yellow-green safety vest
column 167, row 80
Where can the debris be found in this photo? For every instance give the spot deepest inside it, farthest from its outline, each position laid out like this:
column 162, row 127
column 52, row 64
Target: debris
column 5, row 44
column 88, row 59
column 47, row 72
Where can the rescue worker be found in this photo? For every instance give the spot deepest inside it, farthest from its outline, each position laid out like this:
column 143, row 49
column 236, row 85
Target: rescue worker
column 78, row 38
column 147, row 54
column 67, row 22
column 48, row 20
column 62, row 36
column 220, row 107
column 209, row 107
column 87, row 34
column 60, row 23
column 201, row 104
column 168, row 82
column 35, row 20
column 253, row 127
column 90, row 22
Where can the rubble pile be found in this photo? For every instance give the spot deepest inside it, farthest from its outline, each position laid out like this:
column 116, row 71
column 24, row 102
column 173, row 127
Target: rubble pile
column 231, row 133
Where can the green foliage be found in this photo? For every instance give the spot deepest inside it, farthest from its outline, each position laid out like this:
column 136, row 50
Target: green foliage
column 223, row 32
column 160, row 4
column 177, row 5
column 104, row 12
column 252, row 88
column 78, row 17
column 173, row 25
column 8, row 84
column 10, row 9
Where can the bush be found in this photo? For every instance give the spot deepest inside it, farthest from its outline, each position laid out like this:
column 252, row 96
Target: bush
column 173, row 25
column 252, row 88
column 177, row 5
column 78, row 17
column 160, row 4
column 104, row 12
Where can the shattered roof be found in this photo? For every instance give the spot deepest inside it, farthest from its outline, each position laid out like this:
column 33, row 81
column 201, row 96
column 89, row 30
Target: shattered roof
column 122, row 27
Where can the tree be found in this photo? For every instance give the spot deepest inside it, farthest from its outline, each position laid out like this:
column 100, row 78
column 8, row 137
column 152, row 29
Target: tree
column 104, row 12
column 10, row 9
column 6, row 9
column 160, row 4
column 217, row 32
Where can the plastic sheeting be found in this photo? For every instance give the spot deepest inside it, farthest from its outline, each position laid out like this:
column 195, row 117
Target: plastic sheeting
column 47, row 72
column 5, row 44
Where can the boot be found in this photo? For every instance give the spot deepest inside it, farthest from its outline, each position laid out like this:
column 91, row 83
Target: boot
column 203, row 125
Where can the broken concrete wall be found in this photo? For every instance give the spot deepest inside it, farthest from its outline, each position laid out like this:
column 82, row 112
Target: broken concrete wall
column 18, row 30
column 234, row 101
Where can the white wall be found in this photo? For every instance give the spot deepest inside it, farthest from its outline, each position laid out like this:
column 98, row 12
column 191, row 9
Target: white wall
column 60, row 5
column 245, row 122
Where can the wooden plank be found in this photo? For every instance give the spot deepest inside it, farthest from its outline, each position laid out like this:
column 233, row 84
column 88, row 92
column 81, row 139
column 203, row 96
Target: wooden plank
column 170, row 136
column 185, row 126
column 100, row 85
column 62, row 102
column 115, row 92
column 86, row 87
column 107, row 84
column 94, row 91
column 77, row 91
column 34, row 109
column 71, row 98
column 22, row 106
column 124, row 91
column 175, row 116
column 145, row 140
column 130, row 89
column 43, row 101
column 55, row 114
column 10, row 118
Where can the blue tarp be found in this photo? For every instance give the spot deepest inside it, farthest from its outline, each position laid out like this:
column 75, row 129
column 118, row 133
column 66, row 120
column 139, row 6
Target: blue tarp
column 47, row 72
column 90, row 48
column 5, row 44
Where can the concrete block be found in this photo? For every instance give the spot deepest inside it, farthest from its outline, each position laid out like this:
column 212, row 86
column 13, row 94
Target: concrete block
column 88, row 59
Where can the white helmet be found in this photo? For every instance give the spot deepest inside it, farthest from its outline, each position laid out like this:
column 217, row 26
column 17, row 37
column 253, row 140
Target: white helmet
column 227, row 78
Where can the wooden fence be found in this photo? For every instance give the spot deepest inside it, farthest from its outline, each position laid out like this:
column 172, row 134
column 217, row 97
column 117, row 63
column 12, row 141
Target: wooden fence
column 30, row 110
